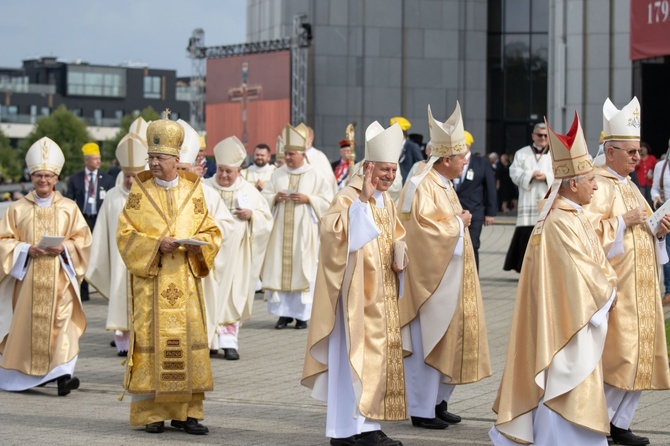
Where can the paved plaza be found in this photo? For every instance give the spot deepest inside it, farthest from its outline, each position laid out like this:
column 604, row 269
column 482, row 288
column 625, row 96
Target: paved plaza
column 258, row 400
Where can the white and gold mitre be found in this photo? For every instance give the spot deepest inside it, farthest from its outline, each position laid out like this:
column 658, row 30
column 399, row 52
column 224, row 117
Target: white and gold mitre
column 191, row 145
column 621, row 124
column 230, row 152
column 569, row 154
column 294, row 141
column 45, row 154
column 279, row 148
column 303, row 129
column 132, row 154
column 383, row 145
column 448, row 138
column 139, row 128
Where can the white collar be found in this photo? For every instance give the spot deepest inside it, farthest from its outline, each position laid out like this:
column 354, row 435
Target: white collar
column 43, row 202
column 621, row 179
column 444, row 179
column 167, row 184
column 298, row 170
column 255, row 168
column 379, row 198
column 89, row 172
column 237, row 184
column 577, row 207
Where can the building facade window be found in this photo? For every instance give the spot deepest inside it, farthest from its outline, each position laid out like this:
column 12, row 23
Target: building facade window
column 98, row 114
column 517, row 71
column 152, row 87
column 96, row 81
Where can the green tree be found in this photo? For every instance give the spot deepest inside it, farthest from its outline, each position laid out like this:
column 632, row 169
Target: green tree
column 109, row 146
column 66, row 130
column 10, row 160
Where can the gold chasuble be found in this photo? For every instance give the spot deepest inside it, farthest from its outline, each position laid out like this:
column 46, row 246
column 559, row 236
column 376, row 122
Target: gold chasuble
column 368, row 288
column 41, row 319
column 565, row 280
column 442, row 289
column 168, row 357
column 635, row 356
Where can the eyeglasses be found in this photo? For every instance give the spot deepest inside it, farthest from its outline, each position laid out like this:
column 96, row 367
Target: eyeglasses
column 630, row 152
column 540, row 135
column 158, row 159
column 44, row 176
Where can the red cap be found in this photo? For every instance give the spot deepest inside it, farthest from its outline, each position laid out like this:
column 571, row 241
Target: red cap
column 344, row 143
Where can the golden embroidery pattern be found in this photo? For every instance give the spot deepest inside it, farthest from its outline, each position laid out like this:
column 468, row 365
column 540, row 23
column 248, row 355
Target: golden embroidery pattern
column 198, row 206
column 394, row 400
column 287, row 246
column 227, row 196
column 172, row 293
column 133, row 201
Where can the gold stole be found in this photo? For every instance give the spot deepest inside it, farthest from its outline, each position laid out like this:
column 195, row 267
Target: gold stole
column 470, row 360
column 287, row 240
column 394, row 400
column 44, row 283
column 645, row 271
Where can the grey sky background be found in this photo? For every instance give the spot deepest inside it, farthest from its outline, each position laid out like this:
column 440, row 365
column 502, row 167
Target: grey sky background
column 108, row 33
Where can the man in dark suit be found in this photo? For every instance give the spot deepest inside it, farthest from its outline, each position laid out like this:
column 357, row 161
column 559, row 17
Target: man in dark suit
column 476, row 190
column 88, row 188
column 411, row 153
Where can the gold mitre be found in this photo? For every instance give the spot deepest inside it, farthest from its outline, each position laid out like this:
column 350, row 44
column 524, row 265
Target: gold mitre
column 132, row 154
column 294, row 141
column 139, row 128
column 279, row 148
column 191, row 145
column 448, row 138
column 230, row 152
column 45, row 154
column 165, row 136
column 383, row 145
column 569, row 154
column 621, row 124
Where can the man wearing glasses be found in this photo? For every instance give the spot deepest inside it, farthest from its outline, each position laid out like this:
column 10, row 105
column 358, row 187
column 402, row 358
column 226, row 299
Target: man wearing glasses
column 531, row 171
column 635, row 356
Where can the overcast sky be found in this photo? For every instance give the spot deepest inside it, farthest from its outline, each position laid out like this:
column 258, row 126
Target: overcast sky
column 155, row 32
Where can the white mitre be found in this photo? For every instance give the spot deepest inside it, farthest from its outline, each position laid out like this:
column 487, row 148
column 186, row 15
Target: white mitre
column 139, row 128
column 621, row 125
column 191, row 145
column 131, row 152
column 383, row 145
column 45, row 154
column 230, row 152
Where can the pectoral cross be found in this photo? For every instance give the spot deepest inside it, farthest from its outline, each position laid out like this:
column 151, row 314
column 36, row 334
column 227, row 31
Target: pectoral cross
column 243, row 94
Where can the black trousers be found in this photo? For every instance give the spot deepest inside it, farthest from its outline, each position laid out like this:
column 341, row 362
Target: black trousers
column 83, row 289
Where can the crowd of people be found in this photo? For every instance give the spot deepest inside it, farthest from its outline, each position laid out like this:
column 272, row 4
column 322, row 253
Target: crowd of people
column 378, row 260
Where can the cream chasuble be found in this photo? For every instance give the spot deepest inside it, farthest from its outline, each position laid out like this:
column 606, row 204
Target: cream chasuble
column 169, row 355
column 442, row 289
column 291, row 256
column 635, row 356
column 253, row 173
column 367, row 286
column 246, row 244
column 317, row 159
column 106, row 271
column 41, row 318
column 558, row 329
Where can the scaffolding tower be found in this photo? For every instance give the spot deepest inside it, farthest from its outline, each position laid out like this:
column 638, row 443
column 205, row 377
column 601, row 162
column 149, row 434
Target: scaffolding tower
column 196, row 51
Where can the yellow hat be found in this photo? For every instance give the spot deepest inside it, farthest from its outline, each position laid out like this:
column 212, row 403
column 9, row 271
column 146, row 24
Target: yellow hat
column 90, row 148
column 132, row 154
column 165, row 136
column 469, row 139
column 569, row 154
column 230, row 152
column 203, row 144
column 294, row 141
column 279, row 148
column 602, row 135
column 45, row 154
column 621, row 124
column 448, row 138
column 402, row 122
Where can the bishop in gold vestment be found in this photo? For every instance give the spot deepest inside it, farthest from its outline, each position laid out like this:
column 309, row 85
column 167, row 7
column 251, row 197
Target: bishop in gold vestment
column 165, row 215
column 354, row 350
column 635, row 356
column 41, row 318
column 551, row 392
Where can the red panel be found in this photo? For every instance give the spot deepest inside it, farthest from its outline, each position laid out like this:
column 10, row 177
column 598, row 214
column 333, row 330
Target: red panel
column 649, row 28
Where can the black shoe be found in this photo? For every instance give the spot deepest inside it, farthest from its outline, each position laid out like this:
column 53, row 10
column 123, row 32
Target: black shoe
column 348, row 441
column 442, row 413
column 190, row 426
column 429, row 423
column 122, row 353
column 67, row 384
column 626, row 437
column 155, row 428
column 299, row 325
column 231, row 354
column 282, row 322
column 375, row 438
column 213, row 352
column 112, row 344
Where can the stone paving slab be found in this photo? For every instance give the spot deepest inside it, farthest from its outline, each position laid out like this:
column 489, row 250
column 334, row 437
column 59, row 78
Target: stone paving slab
column 258, row 400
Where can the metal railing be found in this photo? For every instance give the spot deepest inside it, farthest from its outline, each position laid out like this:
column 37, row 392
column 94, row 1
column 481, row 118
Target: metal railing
column 8, row 87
